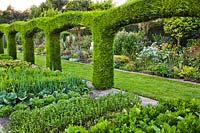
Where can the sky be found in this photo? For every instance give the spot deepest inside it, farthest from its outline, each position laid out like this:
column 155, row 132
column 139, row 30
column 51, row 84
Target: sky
column 24, row 4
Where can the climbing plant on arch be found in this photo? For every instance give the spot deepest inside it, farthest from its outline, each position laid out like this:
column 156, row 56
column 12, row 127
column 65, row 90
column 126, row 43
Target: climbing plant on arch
column 103, row 24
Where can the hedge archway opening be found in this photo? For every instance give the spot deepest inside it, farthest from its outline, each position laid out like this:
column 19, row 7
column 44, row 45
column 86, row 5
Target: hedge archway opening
column 104, row 25
column 1, row 43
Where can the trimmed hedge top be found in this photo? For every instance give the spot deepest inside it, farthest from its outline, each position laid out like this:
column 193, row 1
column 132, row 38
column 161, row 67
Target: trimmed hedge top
column 131, row 12
column 103, row 24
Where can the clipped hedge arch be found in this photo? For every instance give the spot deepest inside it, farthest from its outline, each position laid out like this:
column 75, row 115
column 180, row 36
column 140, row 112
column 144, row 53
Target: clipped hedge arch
column 103, row 24
column 109, row 22
column 10, row 32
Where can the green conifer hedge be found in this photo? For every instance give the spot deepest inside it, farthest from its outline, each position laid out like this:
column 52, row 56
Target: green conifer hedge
column 103, row 24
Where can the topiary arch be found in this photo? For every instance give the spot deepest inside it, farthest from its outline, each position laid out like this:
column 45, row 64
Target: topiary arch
column 103, row 24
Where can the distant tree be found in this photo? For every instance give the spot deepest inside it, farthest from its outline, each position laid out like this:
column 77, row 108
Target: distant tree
column 181, row 27
column 78, row 5
column 50, row 13
column 10, row 15
column 87, row 5
column 103, row 5
column 58, row 4
column 36, row 11
column 68, row 5
column 47, row 7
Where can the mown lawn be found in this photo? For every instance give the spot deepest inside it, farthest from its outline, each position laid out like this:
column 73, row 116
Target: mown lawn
column 145, row 85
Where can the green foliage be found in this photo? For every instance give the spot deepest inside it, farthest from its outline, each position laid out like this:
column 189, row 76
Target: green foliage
column 78, row 5
column 104, row 24
column 35, row 87
column 49, row 99
column 181, row 27
column 101, row 5
column 11, row 45
column 50, row 13
column 35, row 80
column 10, row 15
column 100, row 127
column 120, row 61
column 168, row 116
column 13, row 64
column 21, row 106
column 76, row 84
column 103, row 73
column 6, row 111
column 40, row 50
column 53, row 58
column 84, row 42
column 76, row 129
column 127, row 43
column 5, row 56
column 56, row 4
column 162, row 70
column 28, row 48
column 76, row 111
column 36, row 11
column 160, row 39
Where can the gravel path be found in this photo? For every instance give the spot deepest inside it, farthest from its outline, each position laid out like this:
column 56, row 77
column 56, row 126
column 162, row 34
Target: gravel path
column 3, row 122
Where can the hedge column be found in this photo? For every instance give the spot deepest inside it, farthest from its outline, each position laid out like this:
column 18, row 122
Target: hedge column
column 103, row 69
column 1, row 44
column 28, row 47
column 53, row 57
column 11, row 45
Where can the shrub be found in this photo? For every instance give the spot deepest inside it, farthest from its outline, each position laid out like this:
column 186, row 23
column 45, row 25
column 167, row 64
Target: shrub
column 131, row 66
column 180, row 27
column 5, row 111
column 187, row 72
column 121, row 58
column 13, row 64
column 125, row 43
column 160, row 39
column 162, row 70
column 120, row 61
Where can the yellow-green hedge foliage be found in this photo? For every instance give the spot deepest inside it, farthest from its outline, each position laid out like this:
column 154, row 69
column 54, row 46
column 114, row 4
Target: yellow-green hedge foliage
column 104, row 24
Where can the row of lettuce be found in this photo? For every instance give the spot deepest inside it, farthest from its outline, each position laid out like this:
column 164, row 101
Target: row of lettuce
column 39, row 100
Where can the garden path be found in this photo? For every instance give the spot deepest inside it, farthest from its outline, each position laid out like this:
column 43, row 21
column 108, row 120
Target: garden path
column 100, row 93
column 3, row 122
